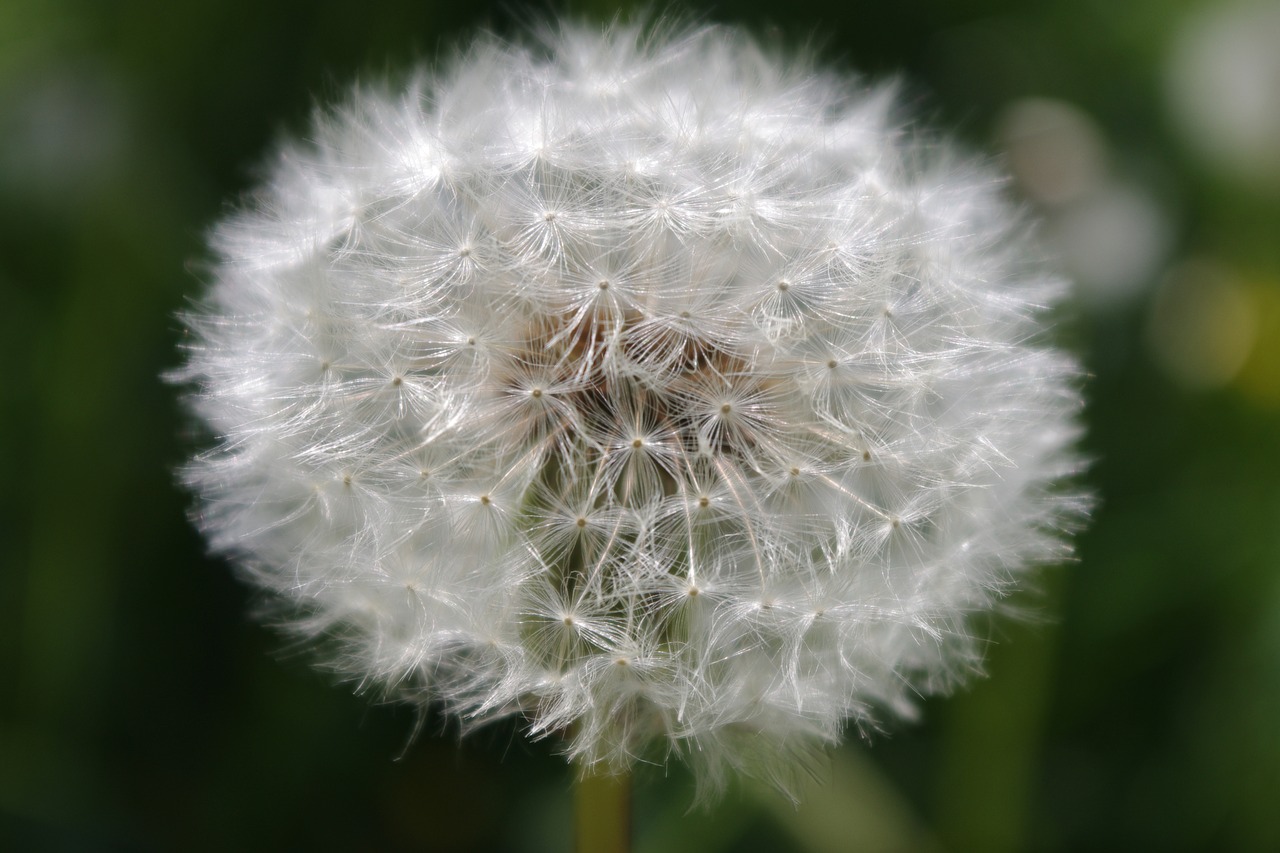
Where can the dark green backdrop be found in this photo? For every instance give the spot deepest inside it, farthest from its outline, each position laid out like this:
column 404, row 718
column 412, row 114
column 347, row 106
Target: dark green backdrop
column 142, row 709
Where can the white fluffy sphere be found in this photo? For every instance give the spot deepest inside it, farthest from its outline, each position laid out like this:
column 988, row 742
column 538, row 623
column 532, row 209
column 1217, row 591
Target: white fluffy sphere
column 643, row 386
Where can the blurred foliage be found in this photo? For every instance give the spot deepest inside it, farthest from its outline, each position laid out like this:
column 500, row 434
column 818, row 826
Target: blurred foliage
column 143, row 709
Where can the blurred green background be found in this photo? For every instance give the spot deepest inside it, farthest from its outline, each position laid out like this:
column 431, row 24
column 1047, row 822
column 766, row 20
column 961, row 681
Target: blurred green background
column 142, row 709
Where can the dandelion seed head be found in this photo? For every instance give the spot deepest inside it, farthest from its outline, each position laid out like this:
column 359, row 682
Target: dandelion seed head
column 647, row 387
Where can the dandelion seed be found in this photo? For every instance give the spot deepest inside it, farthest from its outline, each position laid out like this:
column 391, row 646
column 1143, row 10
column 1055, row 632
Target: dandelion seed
column 694, row 404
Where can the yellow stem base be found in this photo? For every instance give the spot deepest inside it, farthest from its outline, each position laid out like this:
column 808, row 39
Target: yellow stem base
column 602, row 810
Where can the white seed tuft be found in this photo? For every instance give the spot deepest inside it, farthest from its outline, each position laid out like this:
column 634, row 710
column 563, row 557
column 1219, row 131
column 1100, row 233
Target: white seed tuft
column 642, row 386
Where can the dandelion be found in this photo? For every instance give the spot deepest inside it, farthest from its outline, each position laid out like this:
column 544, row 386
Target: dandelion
column 669, row 397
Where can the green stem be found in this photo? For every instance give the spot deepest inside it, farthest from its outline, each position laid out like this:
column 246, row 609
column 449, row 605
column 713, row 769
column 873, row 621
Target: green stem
column 602, row 806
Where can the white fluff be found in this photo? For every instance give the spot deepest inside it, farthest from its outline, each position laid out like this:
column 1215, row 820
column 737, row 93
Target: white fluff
column 665, row 395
